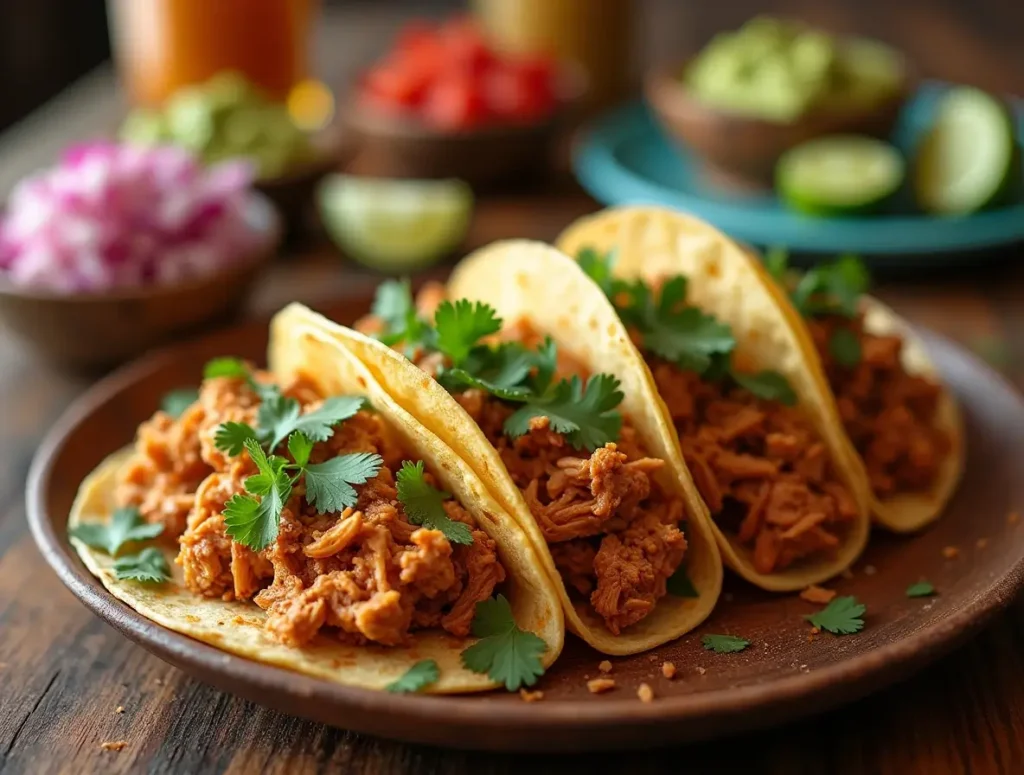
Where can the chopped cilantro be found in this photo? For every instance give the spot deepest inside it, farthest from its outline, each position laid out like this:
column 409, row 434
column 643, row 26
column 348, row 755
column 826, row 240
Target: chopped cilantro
column 832, row 288
column 504, row 652
column 230, row 437
column 424, row 504
column 300, row 447
column 840, row 617
column 329, row 484
column 176, row 402
column 776, row 261
column 768, row 385
column 417, row 677
column 500, row 371
column 226, row 367
column 586, row 416
column 844, row 347
column 149, row 565
column 461, row 325
column 280, row 417
column 921, row 589
column 680, row 584
column 253, row 522
column 724, row 644
column 125, row 525
column 600, row 268
column 395, row 308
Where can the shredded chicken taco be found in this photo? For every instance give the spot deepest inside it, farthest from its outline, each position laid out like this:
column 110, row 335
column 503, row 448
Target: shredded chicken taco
column 903, row 423
column 740, row 393
column 301, row 518
column 522, row 367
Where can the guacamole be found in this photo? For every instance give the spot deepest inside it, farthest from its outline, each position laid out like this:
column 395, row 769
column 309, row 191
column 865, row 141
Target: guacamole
column 225, row 118
column 781, row 70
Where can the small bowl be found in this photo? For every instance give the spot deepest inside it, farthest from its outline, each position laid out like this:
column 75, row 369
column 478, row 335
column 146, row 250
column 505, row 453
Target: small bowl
column 98, row 330
column 740, row 152
column 397, row 146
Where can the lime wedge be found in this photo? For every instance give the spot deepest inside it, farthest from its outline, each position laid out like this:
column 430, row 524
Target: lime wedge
column 395, row 225
column 967, row 159
column 839, row 175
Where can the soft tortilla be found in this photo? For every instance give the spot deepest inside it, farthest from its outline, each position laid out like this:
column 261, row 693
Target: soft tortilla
column 725, row 281
column 529, row 279
column 237, row 627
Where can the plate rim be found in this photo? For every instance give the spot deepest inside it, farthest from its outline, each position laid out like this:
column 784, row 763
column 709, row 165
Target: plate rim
column 859, row 675
column 596, row 166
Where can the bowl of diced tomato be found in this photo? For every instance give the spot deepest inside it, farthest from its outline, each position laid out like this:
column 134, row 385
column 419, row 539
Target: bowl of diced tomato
column 444, row 102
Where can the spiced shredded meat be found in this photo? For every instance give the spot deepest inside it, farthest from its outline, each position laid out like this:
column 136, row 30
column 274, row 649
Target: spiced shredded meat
column 760, row 466
column 363, row 575
column 889, row 414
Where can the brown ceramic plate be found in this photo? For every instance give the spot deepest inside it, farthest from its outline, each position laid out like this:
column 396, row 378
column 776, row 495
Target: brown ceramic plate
column 781, row 676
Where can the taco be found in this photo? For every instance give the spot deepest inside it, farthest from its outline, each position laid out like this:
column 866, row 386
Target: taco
column 302, row 519
column 541, row 392
column 903, row 422
column 740, row 392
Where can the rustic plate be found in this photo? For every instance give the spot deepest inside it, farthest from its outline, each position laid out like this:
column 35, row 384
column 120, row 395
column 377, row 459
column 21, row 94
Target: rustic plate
column 784, row 674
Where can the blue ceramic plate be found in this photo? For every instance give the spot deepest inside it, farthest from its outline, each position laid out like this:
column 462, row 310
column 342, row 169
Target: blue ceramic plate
column 625, row 159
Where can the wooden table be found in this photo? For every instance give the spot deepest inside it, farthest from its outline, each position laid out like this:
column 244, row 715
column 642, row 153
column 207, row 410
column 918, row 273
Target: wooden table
column 68, row 682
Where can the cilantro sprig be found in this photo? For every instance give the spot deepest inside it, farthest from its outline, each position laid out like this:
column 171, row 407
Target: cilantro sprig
column 176, row 402
column 505, row 653
column 585, row 413
column 840, row 617
column 921, row 589
column 416, row 678
column 424, row 504
column 126, row 526
column 724, row 644
column 677, row 332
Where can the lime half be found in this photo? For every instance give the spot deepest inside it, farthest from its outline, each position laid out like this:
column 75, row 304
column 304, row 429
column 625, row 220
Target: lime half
column 395, row 225
column 967, row 159
column 839, row 175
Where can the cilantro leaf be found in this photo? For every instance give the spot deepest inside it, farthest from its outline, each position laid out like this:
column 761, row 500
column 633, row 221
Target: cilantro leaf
column 921, row 589
column 424, row 505
column 226, row 367
column 844, row 347
column 299, row 447
column 680, row 584
column 460, row 326
column 329, row 484
column 279, row 418
column 841, row 617
column 230, row 437
column 417, row 677
column 454, row 380
column 833, row 288
column 724, row 644
column 586, row 416
column 253, row 522
column 600, row 268
column 776, row 261
column 545, row 359
column 500, row 371
column 176, row 402
column 394, row 303
column 149, row 565
column 125, row 525
column 769, row 385
column 504, row 652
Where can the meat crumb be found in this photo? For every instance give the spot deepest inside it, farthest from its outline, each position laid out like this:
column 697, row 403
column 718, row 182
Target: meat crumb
column 605, row 666
column 114, row 745
column 645, row 693
column 847, row 573
column 1012, row 518
column 601, row 685
column 527, row 696
column 668, row 670
column 816, row 594
column 701, row 670
column 950, row 552
column 870, row 570
column 815, row 630
column 119, row 709
column 981, row 543
column 803, row 668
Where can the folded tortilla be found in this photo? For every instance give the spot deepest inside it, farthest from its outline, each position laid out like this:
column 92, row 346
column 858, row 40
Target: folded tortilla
column 723, row 280
column 524, row 279
column 237, row 627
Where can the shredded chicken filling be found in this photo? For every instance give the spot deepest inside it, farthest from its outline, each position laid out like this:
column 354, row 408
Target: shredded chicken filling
column 889, row 415
column 760, row 466
column 366, row 573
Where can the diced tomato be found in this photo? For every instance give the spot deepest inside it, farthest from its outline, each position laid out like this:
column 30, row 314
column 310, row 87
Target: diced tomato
column 514, row 95
column 396, row 84
column 465, row 47
column 454, row 103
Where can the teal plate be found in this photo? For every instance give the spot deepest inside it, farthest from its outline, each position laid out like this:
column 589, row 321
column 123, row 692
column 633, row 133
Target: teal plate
column 624, row 158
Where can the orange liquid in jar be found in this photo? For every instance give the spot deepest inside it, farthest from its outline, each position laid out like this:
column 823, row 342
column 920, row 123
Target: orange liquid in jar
column 162, row 45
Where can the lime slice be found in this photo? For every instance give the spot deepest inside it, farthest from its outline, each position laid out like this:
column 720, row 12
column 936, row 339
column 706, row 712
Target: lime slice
column 967, row 159
column 839, row 175
column 395, row 225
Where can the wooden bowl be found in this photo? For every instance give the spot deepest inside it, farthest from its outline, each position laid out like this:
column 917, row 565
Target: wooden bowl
column 96, row 330
column 740, row 152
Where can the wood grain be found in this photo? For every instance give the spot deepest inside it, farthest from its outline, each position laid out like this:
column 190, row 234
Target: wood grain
column 63, row 673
